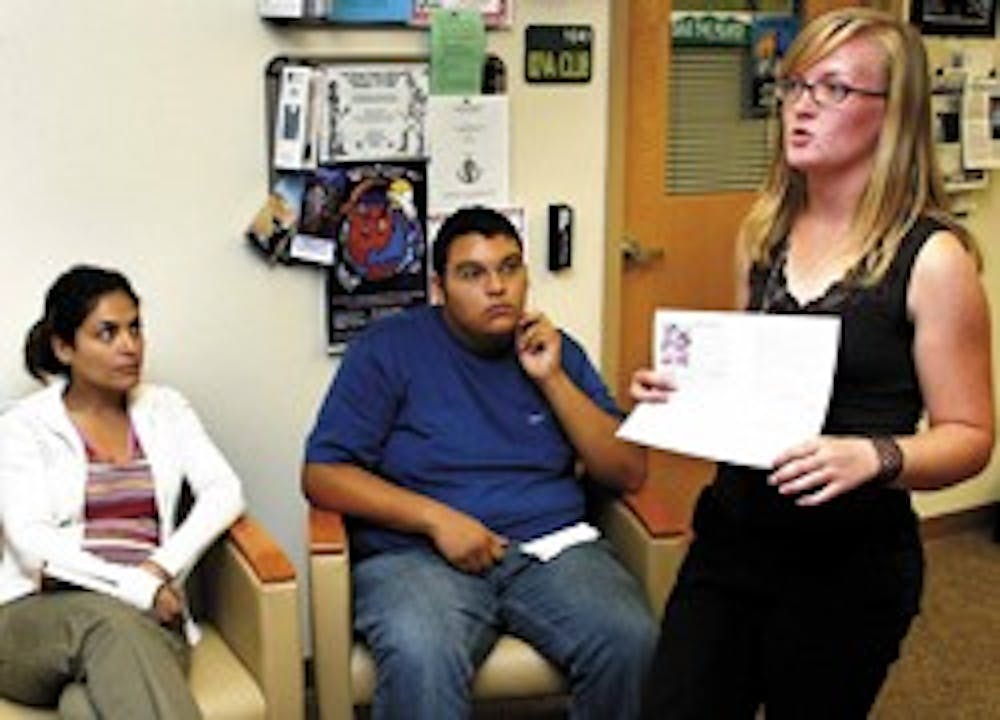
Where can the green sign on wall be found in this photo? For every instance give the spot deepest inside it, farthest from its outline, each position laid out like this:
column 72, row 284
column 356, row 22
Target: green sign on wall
column 711, row 29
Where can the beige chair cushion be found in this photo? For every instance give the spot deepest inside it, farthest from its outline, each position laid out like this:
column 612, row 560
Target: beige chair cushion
column 513, row 669
column 12, row 711
column 223, row 688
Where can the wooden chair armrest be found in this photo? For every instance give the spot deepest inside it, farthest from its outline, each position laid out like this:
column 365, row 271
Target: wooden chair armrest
column 269, row 562
column 660, row 518
column 650, row 538
column 327, row 533
column 251, row 597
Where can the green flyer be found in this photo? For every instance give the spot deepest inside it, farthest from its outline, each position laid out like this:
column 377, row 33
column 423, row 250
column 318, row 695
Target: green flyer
column 458, row 49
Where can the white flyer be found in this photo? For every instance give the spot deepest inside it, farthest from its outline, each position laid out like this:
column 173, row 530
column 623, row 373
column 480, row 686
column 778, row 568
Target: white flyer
column 281, row 8
column 374, row 111
column 981, row 123
column 749, row 385
column 515, row 214
column 496, row 13
column 291, row 126
column 469, row 140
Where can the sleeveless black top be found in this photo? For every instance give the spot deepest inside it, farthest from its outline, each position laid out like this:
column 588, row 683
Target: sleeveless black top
column 875, row 392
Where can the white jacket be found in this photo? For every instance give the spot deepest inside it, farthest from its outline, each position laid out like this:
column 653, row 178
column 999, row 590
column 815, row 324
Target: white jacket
column 43, row 474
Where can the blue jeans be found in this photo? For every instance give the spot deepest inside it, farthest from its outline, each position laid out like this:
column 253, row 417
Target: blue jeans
column 430, row 625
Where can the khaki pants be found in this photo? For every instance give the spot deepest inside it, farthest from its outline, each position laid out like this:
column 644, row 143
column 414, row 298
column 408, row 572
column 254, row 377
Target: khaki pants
column 94, row 657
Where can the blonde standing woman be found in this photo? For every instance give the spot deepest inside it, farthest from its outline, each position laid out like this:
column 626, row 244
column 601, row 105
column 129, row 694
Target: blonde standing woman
column 803, row 580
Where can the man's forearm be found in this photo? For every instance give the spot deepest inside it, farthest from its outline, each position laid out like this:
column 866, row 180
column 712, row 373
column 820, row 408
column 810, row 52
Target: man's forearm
column 592, row 434
column 352, row 490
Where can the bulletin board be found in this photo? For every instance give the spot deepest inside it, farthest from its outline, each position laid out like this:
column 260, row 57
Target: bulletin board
column 348, row 158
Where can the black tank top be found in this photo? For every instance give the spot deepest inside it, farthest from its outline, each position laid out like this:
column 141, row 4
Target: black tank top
column 875, row 392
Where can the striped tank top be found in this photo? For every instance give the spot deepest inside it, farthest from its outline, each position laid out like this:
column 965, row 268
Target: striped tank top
column 121, row 523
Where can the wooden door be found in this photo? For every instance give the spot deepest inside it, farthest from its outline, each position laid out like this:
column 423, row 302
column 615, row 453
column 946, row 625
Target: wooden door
column 687, row 241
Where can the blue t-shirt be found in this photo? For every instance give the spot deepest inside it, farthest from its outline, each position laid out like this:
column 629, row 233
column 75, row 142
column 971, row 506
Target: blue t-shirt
column 413, row 405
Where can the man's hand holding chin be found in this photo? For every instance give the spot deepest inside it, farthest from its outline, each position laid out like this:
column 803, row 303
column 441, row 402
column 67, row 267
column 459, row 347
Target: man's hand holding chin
column 538, row 345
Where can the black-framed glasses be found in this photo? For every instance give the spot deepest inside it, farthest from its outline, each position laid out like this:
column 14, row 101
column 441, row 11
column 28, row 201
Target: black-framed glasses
column 823, row 92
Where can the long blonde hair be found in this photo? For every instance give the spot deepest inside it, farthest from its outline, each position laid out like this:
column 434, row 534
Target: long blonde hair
column 905, row 182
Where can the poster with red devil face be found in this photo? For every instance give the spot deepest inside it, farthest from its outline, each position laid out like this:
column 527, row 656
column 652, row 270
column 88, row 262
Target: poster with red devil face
column 378, row 219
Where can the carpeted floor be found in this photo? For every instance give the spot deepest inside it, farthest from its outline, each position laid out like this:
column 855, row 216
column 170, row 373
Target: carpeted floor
column 950, row 664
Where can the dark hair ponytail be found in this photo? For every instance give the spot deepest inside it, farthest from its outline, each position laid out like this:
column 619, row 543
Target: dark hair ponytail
column 68, row 302
column 39, row 357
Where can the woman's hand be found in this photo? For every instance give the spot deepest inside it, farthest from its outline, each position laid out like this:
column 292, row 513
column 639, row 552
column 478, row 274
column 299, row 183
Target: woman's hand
column 168, row 603
column 651, row 386
column 823, row 468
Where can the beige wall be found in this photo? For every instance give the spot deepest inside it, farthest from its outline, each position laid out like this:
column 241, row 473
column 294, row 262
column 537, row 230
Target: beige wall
column 133, row 136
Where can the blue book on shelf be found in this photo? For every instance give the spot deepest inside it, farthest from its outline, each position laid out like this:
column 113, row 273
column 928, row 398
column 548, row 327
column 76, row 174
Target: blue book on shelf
column 371, row 11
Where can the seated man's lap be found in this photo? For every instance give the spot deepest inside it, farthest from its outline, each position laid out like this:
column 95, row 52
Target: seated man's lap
column 414, row 604
column 416, row 607
column 581, row 602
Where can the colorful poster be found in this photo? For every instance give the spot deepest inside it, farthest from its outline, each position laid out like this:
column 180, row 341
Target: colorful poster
column 273, row 227
column 373, row 111
column 380, row 248
column 770, row 37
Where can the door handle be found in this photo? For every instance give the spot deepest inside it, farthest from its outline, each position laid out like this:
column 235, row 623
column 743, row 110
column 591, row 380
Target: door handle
column 633, row 253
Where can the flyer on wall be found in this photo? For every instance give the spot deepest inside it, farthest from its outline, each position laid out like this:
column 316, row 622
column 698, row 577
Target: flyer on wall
column 496, row 13
column 981, row 123
column 272, row 230
column 380, row 251
column 458, row 52
column 469, row 142
column 370, row 11
column 515, row 214
column 373, row 111
column 947, row 93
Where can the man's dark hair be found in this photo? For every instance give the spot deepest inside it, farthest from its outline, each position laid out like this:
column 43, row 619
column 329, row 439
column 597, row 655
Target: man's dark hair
column 475, row 219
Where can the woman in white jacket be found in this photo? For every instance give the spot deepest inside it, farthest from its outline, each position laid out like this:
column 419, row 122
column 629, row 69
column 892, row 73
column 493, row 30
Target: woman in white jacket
column 91, row 470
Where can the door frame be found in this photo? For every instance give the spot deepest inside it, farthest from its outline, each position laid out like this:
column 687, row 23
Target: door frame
column 614, row 213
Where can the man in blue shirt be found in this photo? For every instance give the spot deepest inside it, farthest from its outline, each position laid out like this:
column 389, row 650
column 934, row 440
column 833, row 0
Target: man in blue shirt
column 450, row 437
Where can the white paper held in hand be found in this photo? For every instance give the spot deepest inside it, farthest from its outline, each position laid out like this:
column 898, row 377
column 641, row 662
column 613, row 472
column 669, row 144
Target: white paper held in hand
column 749, row 385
